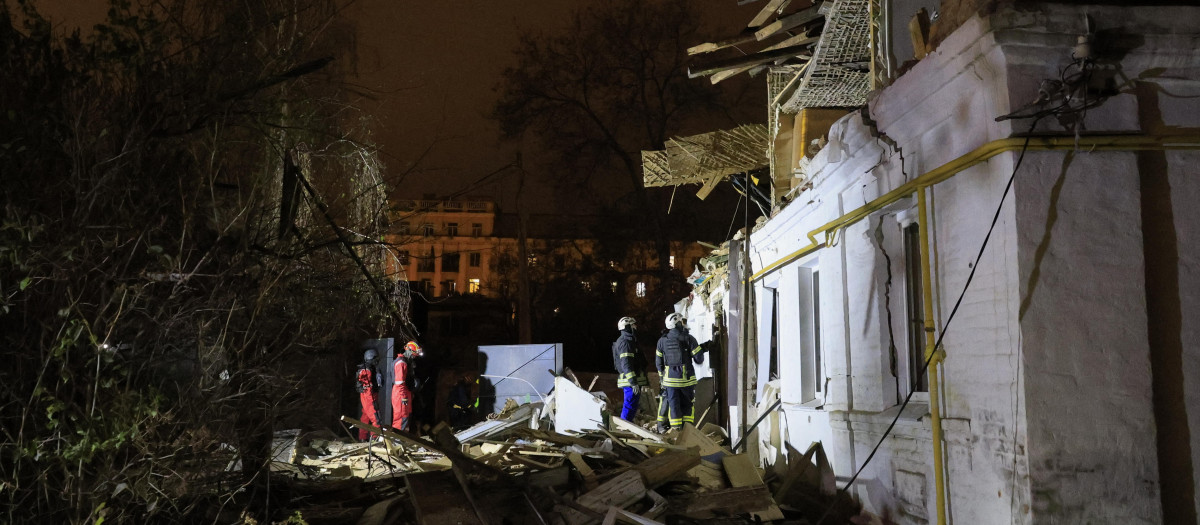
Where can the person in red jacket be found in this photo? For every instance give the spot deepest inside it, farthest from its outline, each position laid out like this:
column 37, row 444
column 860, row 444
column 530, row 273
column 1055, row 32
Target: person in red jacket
column 367, row 385
column 402, row 397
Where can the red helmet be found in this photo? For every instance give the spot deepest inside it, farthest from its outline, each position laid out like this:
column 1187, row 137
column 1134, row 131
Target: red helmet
column 413, row 348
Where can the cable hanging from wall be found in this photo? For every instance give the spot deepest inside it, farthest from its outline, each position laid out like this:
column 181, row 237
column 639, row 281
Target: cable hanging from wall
column 1068, row 98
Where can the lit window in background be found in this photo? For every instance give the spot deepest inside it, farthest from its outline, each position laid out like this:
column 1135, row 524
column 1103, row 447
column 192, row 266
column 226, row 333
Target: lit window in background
column 671, row 261
column 614, row 286
column 472, row 285
column 641, row 289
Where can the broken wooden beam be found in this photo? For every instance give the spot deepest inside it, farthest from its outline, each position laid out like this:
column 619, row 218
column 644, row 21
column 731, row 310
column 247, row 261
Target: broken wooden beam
column 791, row 21
column 730, row 501
column 639, row 431
column 620, row 491
column 455, row 456
column 666, row 466
column 749, row 60
column 772, row 8
column 802, row 39
column 708, row 47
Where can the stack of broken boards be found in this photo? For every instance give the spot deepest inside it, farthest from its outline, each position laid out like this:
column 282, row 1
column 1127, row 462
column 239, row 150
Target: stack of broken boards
column 523, row 475
column 631, row 475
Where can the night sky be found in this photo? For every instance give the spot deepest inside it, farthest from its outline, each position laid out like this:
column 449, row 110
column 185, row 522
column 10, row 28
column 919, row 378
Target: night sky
column 431, row 70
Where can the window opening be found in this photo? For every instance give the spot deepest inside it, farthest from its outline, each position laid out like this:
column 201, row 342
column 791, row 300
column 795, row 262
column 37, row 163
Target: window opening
column 914, row 308
column 450, row 262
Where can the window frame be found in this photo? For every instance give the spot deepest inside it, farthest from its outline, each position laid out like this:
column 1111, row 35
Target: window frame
column 451, row 262
column 914, row 307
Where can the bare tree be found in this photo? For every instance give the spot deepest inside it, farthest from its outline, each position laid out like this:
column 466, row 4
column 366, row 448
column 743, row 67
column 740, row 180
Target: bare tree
column 188, row 247
column 612, row 84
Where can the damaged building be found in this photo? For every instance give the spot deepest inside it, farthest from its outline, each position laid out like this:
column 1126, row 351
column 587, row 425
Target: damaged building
column 978, row 280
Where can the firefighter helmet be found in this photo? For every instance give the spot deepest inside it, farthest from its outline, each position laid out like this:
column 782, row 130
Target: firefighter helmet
column 370, row 355
column 413, row 349
column 674, row 320
column 626, row 322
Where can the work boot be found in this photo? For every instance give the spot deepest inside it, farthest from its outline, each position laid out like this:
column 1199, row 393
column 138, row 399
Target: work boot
column 661, row 428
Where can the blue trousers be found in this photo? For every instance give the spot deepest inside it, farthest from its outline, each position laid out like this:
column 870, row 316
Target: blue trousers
column 631, row 402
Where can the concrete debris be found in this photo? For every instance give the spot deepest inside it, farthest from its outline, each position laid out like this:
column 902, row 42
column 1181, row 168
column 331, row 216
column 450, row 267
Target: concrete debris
column 521, row 466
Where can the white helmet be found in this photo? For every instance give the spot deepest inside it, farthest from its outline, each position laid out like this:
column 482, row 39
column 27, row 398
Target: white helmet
column 674, row 320
column 626, row 322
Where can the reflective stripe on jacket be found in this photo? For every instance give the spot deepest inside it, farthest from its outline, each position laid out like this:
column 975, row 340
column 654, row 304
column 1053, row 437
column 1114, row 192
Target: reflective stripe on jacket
column 628, row 360
column 674, row 355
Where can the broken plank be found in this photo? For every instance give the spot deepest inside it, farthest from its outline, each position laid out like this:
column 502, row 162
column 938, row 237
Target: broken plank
column 540, row 453
column 620, row 491
column 748, row 60
column 585, row 471
column 741, row 471
column 529, row 462
column 708, row 47
column 571, row 375
column 455, row 456
column 666, row 466
column 616, row 515
column 730, row 501
column 552, row 478
column 791, row 21
column 709, row 186
column 554, row 437
column 438, row 499
column 798, row 40
column 639, row 431
column 918, row 30
column 773, row 7
column 690, row 437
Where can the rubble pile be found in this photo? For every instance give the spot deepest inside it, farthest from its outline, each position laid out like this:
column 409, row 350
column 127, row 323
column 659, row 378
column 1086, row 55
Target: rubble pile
column 518, row 467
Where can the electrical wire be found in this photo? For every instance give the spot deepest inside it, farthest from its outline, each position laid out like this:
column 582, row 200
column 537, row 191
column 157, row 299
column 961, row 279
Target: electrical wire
column 938, row 344
column 733, row 220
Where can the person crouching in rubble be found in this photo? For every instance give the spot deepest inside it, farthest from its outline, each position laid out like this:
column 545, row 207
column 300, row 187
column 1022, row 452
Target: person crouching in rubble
column 367, row 383
column 673, row 357
column 402, row 396
column 630, row 365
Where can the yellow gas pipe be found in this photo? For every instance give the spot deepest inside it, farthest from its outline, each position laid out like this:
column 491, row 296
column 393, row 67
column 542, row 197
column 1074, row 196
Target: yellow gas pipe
column 935, row 410
column 939, row 174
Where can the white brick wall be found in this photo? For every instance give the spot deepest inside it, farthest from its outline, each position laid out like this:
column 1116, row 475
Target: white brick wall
column 1046, row 389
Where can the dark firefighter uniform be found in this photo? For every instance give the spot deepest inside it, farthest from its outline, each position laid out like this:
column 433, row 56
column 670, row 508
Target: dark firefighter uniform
column 673, row 358
column 631, row 370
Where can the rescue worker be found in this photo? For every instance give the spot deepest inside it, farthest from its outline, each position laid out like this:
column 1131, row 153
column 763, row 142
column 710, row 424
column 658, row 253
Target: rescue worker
column 630, row 365
column 402, row 397
column 367, row 383
column 673, row 357
column 462, row 407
